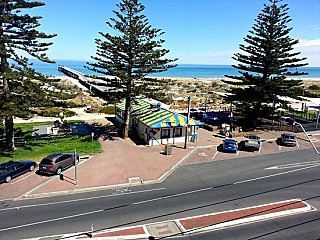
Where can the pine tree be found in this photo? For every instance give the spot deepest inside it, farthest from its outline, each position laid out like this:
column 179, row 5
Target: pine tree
column 266, row 63
column 18, row 88
column 133, row 53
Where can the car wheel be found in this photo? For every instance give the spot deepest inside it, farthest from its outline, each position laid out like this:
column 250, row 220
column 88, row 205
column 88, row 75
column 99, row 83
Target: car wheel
column 8, row 179
column 59, row 171
column 31, row 168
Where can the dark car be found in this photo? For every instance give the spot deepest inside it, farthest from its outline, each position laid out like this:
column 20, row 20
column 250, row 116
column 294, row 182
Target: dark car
column 288, row 139
column 57, row 162
column 229, row 145
column 12, row 169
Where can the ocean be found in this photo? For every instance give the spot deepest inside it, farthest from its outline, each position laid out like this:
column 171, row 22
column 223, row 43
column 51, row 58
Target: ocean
column 181, row 71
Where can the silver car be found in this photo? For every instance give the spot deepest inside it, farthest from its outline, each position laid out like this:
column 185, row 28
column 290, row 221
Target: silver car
column 288, row 139
column 252, row 142
column 57, row 162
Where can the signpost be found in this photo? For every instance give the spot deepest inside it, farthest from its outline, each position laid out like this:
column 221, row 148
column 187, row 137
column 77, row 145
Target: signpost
column 75, row 166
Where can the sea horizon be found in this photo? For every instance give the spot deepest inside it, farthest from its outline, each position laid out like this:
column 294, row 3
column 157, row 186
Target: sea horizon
column 180, row 71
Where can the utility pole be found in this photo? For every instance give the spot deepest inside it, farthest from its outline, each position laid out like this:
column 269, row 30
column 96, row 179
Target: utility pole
column 187, row 124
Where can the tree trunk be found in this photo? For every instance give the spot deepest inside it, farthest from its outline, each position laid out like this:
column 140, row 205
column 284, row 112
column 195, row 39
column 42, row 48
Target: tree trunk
column 9, row 133
column 126, row 119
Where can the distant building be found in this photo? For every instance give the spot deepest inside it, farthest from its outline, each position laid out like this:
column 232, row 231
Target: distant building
column 154, row 124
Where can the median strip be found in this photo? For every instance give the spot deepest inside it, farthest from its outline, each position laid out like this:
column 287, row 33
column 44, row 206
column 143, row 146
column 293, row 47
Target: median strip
column 242, row 216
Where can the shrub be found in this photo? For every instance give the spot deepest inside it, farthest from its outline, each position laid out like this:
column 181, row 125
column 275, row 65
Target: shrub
column 314, row 87
column 107, row 110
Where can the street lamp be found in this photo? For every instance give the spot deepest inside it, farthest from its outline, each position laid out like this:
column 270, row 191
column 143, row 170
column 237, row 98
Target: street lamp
column 187, row 124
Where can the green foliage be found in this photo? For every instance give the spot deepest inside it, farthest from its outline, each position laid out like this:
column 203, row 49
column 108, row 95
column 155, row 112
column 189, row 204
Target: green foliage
column 314, row 87
column 107, row 110
column 18, row 89
column 54, row 112
column 266, row 62
column 37, row 149
column 29, row 148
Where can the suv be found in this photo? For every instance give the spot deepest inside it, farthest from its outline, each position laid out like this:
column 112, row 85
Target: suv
column 56, row 162
column 288, row 139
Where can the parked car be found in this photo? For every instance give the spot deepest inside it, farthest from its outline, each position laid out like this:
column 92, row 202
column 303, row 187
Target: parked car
column 229, row 145
column 252, row 142
column 57, row 162
column 288, row 139
column 12, row 169
column 285, row 119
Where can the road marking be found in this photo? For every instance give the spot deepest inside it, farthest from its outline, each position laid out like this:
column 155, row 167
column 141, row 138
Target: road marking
column 214, row 155
column 203, row 154
column 22, row 179
column 51, row 220
column 295, row 165
column 273, row 175
column 173, row 195
column 81, row 199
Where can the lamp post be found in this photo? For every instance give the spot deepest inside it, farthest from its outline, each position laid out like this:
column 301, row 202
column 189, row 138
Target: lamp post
column 187, row 124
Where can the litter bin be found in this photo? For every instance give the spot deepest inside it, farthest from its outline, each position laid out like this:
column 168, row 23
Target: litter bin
column 168, row 149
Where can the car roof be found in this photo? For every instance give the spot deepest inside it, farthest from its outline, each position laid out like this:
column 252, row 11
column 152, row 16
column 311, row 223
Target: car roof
column 54, row 155
column 9, row 163
column 229, row 140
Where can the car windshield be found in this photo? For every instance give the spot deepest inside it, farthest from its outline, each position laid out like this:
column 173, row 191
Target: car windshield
column 290, row 137
column 253, row 137
column 46, row 161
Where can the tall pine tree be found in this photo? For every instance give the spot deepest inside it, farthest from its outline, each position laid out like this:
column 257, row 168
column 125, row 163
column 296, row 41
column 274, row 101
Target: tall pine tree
column 18, row 33
column 130, row 55
column 266, row 62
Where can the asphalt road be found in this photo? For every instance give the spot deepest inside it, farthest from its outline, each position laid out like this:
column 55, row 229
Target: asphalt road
column 193, row 189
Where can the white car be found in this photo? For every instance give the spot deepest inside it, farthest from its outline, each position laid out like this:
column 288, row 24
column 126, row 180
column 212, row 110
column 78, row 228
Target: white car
column 252, row 142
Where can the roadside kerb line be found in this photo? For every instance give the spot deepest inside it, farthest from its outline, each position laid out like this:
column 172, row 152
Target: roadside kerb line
column 81, row 199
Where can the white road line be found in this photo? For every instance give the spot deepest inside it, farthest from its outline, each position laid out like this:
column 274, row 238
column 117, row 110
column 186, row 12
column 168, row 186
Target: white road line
column 22, row 179
column 214, row 155
column 174, row 195
column 294, row 165
column 272, row 175
column 51, row 220
column 81, row 199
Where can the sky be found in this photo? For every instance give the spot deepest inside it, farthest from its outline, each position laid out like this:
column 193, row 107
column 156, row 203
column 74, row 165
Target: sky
column 196, row 31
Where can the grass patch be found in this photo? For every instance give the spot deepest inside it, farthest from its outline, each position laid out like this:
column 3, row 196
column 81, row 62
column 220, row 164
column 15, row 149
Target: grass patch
column 28, row 148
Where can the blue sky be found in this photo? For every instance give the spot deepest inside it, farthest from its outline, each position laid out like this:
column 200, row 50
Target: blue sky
column 196, row 31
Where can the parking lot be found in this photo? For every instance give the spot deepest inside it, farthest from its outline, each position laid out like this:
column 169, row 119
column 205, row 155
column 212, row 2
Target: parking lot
column 211, row 153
